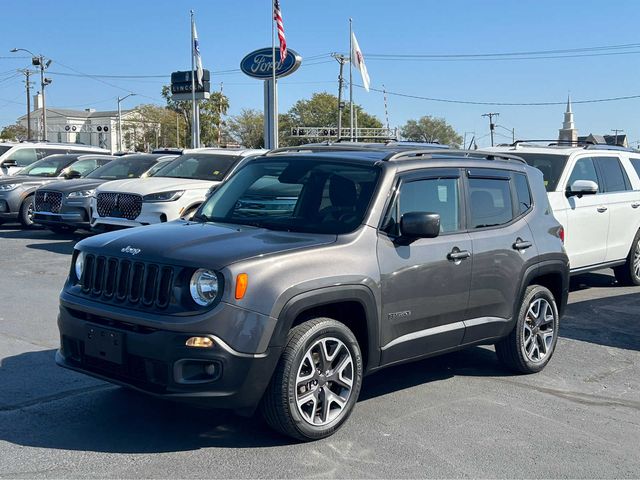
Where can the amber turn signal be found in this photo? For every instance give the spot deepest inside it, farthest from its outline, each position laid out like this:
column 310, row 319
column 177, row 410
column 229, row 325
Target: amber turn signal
column 242, row 281
column 199, row 342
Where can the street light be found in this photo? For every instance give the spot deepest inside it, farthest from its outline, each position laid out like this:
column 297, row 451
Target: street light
column 43, row 63
column 120, row 120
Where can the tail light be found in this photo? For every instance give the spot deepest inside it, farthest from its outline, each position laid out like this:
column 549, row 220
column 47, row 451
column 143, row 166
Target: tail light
column 561, row 233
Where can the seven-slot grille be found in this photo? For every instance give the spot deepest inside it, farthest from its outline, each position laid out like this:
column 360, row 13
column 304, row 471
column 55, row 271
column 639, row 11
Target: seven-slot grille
column 124, row 281
column 121, row 205
column 46, row 201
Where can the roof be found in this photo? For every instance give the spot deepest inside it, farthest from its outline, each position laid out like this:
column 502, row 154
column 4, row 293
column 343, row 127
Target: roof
column 78, row 113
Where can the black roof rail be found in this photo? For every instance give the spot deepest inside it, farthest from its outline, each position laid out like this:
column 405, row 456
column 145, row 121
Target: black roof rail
column 602, row 146
column 555, row 142
column 325, row 147
column 407, row 154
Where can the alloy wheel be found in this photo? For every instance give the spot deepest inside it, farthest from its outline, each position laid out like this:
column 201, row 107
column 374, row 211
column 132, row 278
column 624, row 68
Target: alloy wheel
column 636, row 260
column 538, row 330
column 324, row 381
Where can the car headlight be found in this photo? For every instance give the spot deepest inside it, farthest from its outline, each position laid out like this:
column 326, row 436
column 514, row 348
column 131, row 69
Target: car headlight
column 163, row 196
column 9, row 186
column 81, row 194
column 204, row 287
column 79, row 265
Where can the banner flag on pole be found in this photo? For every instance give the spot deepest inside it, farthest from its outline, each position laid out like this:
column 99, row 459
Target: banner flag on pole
column 357, row 60
column 196, row 53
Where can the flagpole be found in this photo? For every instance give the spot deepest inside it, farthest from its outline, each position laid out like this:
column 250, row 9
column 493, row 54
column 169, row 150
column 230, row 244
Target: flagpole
column 194, row 135
column 274, row 120
column 351, row 78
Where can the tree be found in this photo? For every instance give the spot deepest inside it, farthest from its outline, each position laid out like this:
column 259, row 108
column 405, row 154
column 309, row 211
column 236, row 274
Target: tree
column 211, row 111
column 247, row 128
column 431, row 129
column 14, row 132
column 151, row 126
column 321, row 110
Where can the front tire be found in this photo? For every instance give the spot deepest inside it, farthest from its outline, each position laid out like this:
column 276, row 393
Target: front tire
column 317, row 381
column 25, row 216
column 629, row 273
column 531, row 343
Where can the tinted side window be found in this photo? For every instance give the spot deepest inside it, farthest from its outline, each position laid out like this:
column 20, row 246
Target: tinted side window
column 24, row 156
column 45, row 152
column 584, row 169
column 636, row 165
column 438, row 195
column 83, row 166
column 523, row 194
column 490, row 202
column 613, row 176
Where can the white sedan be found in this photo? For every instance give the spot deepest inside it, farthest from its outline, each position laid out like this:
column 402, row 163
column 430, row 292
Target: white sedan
column 176, row 191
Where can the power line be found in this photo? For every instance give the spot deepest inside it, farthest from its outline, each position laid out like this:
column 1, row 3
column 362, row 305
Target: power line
column 500, row 59
column 501, row 104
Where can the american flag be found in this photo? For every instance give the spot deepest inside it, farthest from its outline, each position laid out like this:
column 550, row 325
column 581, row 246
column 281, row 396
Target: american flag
column 277, row 16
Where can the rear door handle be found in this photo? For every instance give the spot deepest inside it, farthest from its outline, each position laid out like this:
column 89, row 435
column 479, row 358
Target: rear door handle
column 602, row 209
column 521, row 244
column 635, row 205
column 456, row 255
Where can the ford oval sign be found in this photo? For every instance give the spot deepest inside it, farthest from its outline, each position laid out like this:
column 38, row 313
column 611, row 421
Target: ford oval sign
column 258, row 64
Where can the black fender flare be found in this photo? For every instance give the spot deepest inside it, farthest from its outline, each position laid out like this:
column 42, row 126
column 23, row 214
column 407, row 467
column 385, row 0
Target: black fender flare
column 325, row 296
column 556, row 266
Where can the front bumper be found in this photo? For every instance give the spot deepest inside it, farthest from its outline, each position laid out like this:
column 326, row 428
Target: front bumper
column 158, row 362
column 150, row 214
column 10, row 203
column 70, row 216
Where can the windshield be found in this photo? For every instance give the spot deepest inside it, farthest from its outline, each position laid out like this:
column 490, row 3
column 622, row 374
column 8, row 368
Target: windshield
column 49, row 167
column 125, row 167
column 551, row 166
column 294, row 194
column 200, row 166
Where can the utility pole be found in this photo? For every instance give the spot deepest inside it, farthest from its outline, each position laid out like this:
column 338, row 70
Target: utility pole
column 492, row 126
column 27, row 75
column 386, row 108
column 341, row 60
column 220, row 116
column 119, row 137
column 616, row 130
column 177, row 130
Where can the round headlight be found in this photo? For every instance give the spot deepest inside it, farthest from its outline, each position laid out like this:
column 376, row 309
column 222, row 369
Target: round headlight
column 79, row 265
column 204, row 287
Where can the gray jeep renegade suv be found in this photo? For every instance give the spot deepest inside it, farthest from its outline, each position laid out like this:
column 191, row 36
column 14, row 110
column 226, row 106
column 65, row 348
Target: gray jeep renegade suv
column 314, row 266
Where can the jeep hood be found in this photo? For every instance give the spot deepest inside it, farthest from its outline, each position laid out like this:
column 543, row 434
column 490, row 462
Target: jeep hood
column 207, row 245
column 145, row 186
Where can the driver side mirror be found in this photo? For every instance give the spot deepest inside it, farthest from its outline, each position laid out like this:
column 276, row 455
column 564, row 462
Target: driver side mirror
column 71, row 174
column 582, row 187
column 9, row 163
column 416, row 225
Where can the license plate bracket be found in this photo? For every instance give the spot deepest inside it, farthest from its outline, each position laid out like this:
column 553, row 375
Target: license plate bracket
column 104, row 344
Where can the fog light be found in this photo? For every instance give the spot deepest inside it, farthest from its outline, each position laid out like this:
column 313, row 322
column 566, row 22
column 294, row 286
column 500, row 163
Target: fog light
column 199, row 342
column 211, row 369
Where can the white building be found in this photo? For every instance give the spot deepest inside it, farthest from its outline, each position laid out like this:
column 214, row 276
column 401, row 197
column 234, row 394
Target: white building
column 88, row 127
column 568, row 134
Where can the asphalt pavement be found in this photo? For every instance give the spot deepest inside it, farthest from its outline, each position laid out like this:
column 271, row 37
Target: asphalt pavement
column 459, row 415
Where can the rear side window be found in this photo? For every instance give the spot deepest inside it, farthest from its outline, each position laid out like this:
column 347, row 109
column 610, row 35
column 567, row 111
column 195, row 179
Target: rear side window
column 490, row 202
column 523, row 194
column 613, row 176
column 636, row 165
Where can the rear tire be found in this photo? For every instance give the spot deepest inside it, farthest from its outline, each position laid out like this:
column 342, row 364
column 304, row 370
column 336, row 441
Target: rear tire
column 317, row 381
column 25, row 216
column 531, row 343
column 629, row 273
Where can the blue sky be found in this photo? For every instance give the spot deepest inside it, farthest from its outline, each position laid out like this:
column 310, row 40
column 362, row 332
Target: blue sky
column 145, row 37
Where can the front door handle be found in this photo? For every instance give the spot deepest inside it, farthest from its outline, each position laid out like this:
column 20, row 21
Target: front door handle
column 602, row 209
column 635, row 205
column 456, row 255
column 521, row 244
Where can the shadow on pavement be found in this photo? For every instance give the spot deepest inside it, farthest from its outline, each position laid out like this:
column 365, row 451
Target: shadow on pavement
column 61, row 243
column 592, row 280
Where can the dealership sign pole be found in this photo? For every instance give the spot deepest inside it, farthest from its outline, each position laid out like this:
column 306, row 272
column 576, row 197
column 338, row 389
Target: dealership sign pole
column 259, row 64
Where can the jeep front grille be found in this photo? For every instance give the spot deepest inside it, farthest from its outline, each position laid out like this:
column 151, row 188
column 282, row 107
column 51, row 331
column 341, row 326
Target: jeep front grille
column 120, row 205
column 46, row 201
column 128, row 282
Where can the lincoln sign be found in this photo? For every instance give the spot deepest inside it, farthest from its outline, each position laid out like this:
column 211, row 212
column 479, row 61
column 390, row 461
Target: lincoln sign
column 258, row 64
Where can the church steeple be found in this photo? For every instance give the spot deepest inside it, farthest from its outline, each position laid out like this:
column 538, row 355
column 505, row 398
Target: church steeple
column 568, row 134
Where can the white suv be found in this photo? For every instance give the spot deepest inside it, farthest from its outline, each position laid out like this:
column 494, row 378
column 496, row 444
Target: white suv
column 175, row 191
column 594, row 192
column 15, row 156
